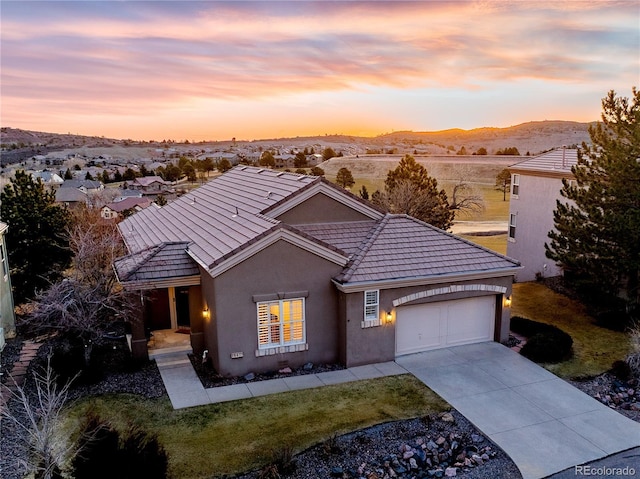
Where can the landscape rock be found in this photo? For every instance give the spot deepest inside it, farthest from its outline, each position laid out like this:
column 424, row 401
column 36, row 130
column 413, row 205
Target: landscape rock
column 447, row 417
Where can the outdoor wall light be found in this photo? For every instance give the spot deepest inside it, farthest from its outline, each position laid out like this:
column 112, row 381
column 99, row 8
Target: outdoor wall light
column 389, row 317
column 205, row 313
column 507, row 301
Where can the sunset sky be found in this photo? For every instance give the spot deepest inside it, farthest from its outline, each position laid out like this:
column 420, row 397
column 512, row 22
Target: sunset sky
column 215, row 70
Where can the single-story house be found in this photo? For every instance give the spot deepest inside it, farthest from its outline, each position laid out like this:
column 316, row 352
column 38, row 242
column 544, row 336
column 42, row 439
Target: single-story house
column 271, row 269
column 126, row 193
column 71, row 197
column 49, row 178
column 118, row 209
column 150, row 185
column 86, row 186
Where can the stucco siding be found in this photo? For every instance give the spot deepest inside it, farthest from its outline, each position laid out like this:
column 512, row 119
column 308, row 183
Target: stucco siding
column 210, row 324
column 196, row 307
column 321, row 209
column 377, row 343
column 533, row 208
column 281, row 269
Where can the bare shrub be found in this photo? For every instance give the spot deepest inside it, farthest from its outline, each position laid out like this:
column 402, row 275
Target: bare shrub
column 633, row 359
column 37, row 415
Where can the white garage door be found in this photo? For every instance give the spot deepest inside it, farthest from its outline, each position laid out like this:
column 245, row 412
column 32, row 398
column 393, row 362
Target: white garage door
column 422, row 327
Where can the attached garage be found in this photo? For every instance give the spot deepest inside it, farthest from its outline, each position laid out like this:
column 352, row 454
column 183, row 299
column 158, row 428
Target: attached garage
column 422, row 327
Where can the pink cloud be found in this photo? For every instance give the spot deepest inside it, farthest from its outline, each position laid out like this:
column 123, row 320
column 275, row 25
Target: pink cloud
column 158, row 56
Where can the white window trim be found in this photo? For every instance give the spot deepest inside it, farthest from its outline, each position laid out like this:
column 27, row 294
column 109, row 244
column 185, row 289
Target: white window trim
column 512, row 224
column 5, row 262
column 515, row 185
column 371, row 300
column 282, row 346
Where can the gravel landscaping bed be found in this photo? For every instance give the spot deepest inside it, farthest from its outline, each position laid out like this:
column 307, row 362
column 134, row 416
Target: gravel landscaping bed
column 621, row 396
column 211, row 379
column 8, row 356
column 439, row 445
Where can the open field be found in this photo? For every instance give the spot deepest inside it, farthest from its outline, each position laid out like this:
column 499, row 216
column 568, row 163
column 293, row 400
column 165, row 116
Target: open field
column 497, row 243
column 482, row 169
column 233, row 437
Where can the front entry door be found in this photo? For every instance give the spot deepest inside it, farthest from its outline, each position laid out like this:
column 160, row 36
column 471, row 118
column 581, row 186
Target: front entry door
column 182, row 307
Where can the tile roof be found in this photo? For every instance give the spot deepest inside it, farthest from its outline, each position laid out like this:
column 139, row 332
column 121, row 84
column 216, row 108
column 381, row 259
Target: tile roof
column 88, row 184
column 128, row 203
column 164, row 261
column 556, row 161
column 216, row 221
column 147, row 180
column 346, row 236
column 402, row 247
column 70, row 195
column 217, row 218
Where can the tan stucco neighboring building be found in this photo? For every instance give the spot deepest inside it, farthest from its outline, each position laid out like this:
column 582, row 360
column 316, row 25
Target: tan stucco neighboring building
column 535, row 189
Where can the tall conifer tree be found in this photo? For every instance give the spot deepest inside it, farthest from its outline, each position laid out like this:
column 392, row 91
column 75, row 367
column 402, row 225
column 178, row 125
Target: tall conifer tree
column 597, row 228
column 37, row 241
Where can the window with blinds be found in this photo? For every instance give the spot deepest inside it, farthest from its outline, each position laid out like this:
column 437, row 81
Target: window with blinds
column 371, row 305
column 281, row 323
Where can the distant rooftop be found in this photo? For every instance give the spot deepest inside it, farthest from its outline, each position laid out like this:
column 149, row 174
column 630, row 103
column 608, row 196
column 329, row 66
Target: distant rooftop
column 555, row 161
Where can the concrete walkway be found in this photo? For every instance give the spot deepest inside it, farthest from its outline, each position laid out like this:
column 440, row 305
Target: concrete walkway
column 543, row 423
column 185, row 389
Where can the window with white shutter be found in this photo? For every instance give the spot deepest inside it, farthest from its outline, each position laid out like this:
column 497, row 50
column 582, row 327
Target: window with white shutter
column 371, row 308
column 281, row 323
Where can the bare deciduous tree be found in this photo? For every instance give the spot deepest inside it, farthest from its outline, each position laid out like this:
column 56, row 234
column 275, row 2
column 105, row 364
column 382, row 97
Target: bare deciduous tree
column 37, row 417
column 85, row 304
column 464, row 196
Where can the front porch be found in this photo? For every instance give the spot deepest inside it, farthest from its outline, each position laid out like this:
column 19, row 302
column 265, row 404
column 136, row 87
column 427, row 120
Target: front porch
column 172, row 322
column 169, row 341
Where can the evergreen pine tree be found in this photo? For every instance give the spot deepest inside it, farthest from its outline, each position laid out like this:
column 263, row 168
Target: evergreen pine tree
column 37, row 242
column 597, row 230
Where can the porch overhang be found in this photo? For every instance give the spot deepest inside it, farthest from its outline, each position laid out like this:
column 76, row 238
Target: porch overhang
column 145, row 285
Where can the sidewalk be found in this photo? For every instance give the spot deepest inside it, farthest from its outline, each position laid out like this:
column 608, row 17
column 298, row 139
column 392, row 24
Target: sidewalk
column 185, row 389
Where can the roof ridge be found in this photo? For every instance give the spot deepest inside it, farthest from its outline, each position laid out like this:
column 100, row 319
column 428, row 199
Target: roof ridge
column 314, row 181
column 352, row 195
column 145, row 259
column 364, row 247
column 318, row 241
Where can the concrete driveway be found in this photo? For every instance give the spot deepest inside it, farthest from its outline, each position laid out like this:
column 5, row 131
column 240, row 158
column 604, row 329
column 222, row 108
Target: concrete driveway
column 543, row 423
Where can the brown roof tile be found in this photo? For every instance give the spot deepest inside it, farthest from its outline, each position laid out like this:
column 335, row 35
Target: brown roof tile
column 401, row 247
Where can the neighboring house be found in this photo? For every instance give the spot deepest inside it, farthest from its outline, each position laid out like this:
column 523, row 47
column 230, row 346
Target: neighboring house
column 150, row 185
column 7, row 318
column 49, row 178
column 535, row 187
column 71, row 197
column 126, row 193
column 86, row 186
column 122, row 208
column 271, row 269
